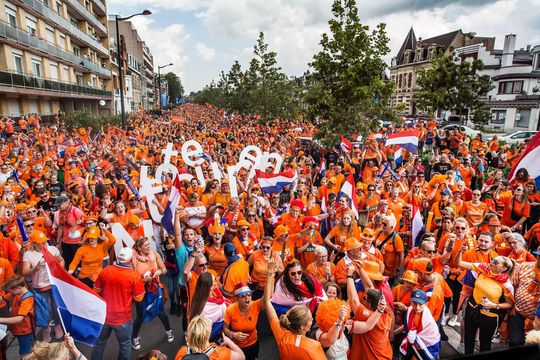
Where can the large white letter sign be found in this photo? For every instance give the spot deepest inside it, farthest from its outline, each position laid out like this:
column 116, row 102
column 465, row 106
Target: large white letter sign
column 123, row 239
column 149, row 188
column 191, row 148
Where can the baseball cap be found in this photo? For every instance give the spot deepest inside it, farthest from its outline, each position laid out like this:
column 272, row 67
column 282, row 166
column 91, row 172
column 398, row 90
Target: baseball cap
column 445, row 192
column 423, row 265
column 230, row 252
column 125, row 255
column 60, row 200
column 419, row 296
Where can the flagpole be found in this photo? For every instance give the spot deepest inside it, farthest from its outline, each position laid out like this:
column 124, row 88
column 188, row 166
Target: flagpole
column 61, row 320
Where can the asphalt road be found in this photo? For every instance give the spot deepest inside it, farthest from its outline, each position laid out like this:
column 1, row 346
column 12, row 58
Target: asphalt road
column 153, row 337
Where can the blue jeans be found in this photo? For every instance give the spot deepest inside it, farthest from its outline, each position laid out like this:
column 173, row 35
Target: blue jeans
column 25, row 343
column 173, row 287
column 123, row 334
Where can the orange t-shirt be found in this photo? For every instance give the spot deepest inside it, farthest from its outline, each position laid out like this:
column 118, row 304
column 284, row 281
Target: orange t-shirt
column 220, row 353
column 295, row 347
column 217, row 260
column 22, row 308
column 6, row 271
column 246, row 323
column 320, row 271
column 91, row 259
column 390, row 252
column 374, row 344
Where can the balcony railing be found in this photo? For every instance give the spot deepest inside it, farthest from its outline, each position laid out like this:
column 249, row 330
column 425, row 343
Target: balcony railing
column 88, row 15
column 10, row 78
column 66, row 25
column 36, row 43
column 100, row 5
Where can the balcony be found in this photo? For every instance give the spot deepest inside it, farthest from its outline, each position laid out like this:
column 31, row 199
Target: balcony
column 81, row 9
column 9, row 78
column 98, row 5
column 48, row 49
column 67, row 26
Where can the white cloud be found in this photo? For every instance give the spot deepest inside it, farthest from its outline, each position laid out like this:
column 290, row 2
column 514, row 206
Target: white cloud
column 185, row 5
column 207, row 53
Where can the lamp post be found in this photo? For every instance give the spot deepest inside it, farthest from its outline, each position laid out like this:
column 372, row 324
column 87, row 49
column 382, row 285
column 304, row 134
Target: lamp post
column 159, row 80
column 119, row 60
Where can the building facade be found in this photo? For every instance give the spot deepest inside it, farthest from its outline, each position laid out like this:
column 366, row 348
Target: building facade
column 54, row 56
column 417, row 54
column 138, row 66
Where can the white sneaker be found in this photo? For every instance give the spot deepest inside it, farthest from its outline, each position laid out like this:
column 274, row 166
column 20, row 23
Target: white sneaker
column 444, row 320
column 454, row 321
column 170, row 336
column 496, row 338
column 461, row 348
column 136, row 343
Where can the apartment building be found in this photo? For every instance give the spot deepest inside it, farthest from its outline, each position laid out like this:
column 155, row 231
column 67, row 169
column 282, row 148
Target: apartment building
column 54, row 56
column 138, row 64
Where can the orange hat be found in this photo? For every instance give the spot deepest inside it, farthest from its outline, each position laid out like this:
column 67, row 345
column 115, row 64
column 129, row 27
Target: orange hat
column 357, row 151
column 372, row 269
column 446, row 151
column 280, row 230
column 310, row 219
column 368, row 234
column 351, row 244
column 90, row 217
column 359, row 186
column 38, row 237
column 20, row 207
column 134, row 220
column 121, row 182
column 333, row 180
column 243, row 223
column 92, row 233
column 107, row 181
column 494, row 221
column 374, row 168
column 423, row 265
column 410, row 276
column 296, row 203
column 74, row 171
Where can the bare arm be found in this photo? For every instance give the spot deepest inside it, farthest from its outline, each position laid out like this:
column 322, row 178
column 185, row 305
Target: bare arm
column 268, row 291
column 463, row 264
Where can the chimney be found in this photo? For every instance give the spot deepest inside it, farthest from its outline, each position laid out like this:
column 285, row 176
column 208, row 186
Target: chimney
column 508, row 50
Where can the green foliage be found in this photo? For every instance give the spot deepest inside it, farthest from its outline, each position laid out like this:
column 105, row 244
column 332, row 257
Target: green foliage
column 261, row 89
column 85, row 119
column 176, row 90
column 453, row 84
column 348, row 92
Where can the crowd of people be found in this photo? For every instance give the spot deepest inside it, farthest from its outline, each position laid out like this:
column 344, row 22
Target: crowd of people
column 339, row 276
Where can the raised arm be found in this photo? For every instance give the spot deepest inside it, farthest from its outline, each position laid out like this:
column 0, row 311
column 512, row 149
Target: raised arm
column 269, row 290
column 463, row 264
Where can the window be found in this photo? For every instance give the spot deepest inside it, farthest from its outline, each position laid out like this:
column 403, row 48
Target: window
column 31, row 26
column 74, row 22
column 11, row 15
column 54, row 71
column 65, row 75
column 498, row 117
column 522, row 119
column 510, row 87
column 50, row 35
column 36, row 68
column 62, row 42
column 76, row 50
column 80, row 80
column 59, row 8
column 18, row 63
column 521, row 135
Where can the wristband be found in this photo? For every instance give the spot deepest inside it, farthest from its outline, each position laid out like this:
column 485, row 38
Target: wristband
column 380, row 311
column 350, row 277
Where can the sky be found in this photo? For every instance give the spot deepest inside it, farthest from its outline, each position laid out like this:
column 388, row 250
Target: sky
column 204, row 37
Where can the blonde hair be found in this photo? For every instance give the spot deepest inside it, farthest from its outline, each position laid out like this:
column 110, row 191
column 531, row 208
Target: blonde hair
column 198, row 333
column 295, row 318
column 46, row 351
column 532, row 337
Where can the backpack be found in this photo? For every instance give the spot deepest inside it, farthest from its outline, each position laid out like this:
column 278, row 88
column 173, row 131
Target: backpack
column 199, row 356
column 42, row 313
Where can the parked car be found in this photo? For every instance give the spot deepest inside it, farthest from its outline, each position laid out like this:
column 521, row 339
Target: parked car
column 465, row 129
column 517, row 137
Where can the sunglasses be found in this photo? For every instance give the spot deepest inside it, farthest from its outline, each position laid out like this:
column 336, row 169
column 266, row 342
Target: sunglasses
column 244, row 229
column 430, row 251
column 476, row 194
column 460, row 228
column 251, row 215
column 203, row 265
column 519, row 190
column 31, row 211
column 495, row 262
column 296, row 273
column 385, row 224
column 266, row 247
column 371, row 189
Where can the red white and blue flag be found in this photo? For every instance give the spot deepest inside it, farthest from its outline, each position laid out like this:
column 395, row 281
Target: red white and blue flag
column 418, row 228
column 274, row 183
column 322, row 168
column 345, row 145
column 81, row 310
column 398, row 157
column 167, row 221
column 348, row 189
column 529, row 160
column 406, row 139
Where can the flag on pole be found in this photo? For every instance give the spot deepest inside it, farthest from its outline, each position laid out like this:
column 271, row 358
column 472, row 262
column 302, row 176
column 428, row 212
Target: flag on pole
column 418, row 228
column 322, row 168
column 81, row 310
column 274, row 183
column 398, row 157
column 167, row 221
column 529, row 160
column 405, row 139
column 348, row 189
column 346, row 145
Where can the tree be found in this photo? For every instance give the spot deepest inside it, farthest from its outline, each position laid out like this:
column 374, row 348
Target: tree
column 348, row 91
column 176, row 90
column 453, row 83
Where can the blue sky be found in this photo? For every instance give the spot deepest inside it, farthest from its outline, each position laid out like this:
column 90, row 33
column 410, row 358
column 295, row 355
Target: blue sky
column 203, row 37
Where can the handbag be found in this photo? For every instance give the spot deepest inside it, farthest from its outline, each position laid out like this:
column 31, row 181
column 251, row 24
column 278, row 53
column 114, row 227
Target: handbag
column 153, row 304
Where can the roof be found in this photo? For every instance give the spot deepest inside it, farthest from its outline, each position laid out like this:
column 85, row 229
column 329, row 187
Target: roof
column 444, row 40
column 408, row 44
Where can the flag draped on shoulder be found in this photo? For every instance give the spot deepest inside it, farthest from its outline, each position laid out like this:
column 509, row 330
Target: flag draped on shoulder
column 167, row 221
column 274, row 183
column 348, row 189
column 82, row 310
column 406, row 139
column 529, row 160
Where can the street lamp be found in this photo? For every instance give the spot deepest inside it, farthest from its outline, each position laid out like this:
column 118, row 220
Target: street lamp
column 159, row 80
column 119, row 60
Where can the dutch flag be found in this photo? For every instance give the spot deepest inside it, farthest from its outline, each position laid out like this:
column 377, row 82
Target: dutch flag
column 348, row 189
column 346, row 145
column 418, row 228
column 81, row 310
column 274, row 183
column 322, row 167
column 529, row 160
column 167, row 221
column 405, row 139
column 398, row 157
